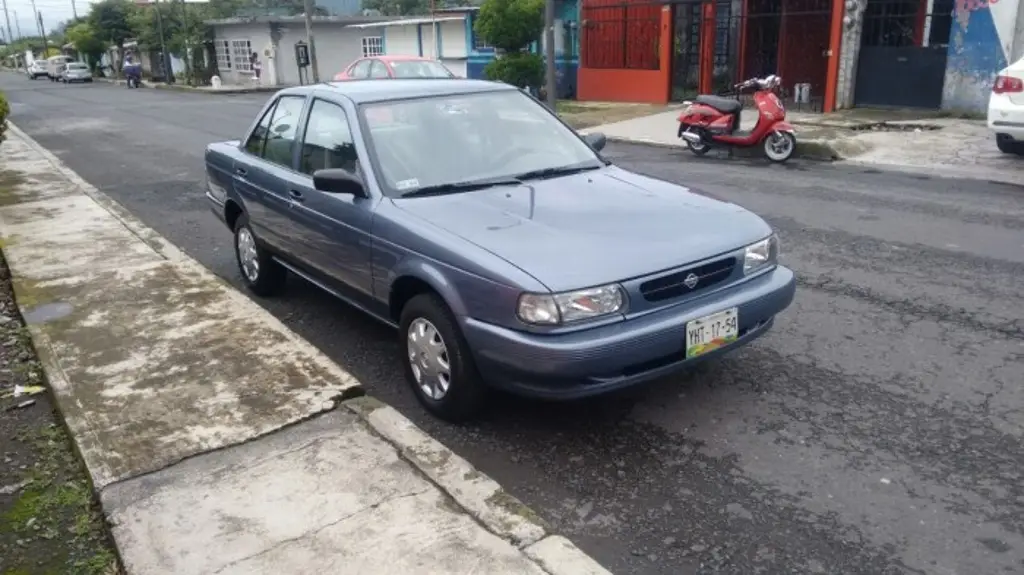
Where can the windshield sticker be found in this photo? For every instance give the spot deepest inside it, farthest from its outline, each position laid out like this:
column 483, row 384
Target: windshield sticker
column 407, row 184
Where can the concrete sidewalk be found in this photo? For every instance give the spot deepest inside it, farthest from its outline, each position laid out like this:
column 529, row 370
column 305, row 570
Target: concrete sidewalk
column 891, row 139
column 218, row 440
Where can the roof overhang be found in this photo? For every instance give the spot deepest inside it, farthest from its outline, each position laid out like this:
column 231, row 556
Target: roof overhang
column 409, row 22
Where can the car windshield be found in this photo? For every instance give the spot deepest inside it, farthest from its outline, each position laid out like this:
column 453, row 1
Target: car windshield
column 467, row 138
column 419, row 69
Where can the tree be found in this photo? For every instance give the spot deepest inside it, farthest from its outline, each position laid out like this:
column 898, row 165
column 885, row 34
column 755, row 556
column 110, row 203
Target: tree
column 511, row 26
column 86, row 41
column 109, row 21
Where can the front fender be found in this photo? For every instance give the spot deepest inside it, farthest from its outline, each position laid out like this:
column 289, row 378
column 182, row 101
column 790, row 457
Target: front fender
column 440, row 280
column 782, row 127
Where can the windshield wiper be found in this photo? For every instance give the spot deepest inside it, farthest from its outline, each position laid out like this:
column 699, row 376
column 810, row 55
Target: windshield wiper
column 457, row 187
column 553, row 172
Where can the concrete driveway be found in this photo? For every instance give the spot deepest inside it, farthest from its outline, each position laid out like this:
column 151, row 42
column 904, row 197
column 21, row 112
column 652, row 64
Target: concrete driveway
column 878, row 429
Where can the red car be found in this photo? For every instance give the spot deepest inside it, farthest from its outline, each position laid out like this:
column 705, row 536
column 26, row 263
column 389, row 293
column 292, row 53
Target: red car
column 394, row 67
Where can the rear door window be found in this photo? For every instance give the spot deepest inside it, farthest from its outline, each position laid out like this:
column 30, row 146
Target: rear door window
column 378, row 70
column 361, row 69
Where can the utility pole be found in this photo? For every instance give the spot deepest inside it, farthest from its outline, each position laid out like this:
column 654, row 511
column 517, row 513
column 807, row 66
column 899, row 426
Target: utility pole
column 164, row 57
column 10, row 34
column 307, row 7
column 74, row 9
column 549, row 51
column 17, row 25
column 42, row 32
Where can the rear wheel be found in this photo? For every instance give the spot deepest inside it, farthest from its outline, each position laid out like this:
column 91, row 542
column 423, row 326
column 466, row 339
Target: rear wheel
column 698, row 149
column 260, row 273
column 437, row 361
column 779, row 146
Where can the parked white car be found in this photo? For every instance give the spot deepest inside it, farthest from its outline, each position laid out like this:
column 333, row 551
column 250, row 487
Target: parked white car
column 1006, row 109
column 37, row 69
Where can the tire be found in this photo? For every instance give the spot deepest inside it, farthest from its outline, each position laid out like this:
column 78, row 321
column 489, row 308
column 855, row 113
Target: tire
column 269, row 277
column 779, row 150
column 466, row 395
column 698, row 149
column 1008, row 145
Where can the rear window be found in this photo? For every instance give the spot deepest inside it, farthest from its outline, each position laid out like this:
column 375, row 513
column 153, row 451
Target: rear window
column 420, row 69
column 76, row 67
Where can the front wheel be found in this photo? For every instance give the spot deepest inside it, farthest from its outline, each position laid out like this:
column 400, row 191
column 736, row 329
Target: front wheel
column 779, row 146
column 437, row 361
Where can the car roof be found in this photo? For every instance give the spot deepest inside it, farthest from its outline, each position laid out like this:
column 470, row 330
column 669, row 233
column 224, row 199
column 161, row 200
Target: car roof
column 404, row 58
column 383, row 90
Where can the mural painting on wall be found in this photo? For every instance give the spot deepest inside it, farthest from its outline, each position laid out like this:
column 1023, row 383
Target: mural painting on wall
column 981, row 42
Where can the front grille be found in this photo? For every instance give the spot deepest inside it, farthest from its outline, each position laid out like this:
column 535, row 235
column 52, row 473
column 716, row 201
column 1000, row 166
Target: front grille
column 674, row 285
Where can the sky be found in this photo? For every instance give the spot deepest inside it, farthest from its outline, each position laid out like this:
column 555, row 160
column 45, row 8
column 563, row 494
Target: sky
column 54, row 12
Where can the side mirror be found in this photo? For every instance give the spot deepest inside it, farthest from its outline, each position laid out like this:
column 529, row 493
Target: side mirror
column 596, row 140
column 338, row 181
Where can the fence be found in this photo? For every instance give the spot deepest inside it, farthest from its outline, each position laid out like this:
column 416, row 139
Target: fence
column 621, row 36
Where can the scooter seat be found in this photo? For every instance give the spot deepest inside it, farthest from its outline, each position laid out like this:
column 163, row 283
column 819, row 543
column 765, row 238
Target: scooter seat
column 723, row 105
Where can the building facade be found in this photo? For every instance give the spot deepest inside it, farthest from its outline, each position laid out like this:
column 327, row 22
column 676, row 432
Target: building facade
column 831, row 54
column 450, row 36
column 274, row 40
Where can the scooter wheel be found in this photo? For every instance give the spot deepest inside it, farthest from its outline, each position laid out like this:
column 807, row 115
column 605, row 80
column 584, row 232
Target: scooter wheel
column 779, row 146
column 698, row 149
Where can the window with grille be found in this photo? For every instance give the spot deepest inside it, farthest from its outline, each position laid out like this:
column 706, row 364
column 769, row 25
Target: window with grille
column 373, row 46
column 480, row 44
column 223, row 49
column 240, row 52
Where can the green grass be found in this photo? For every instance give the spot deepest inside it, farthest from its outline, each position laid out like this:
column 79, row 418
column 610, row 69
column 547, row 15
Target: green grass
column 53, row 526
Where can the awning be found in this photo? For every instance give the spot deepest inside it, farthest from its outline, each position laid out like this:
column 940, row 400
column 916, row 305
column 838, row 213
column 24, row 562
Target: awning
column 409, row 22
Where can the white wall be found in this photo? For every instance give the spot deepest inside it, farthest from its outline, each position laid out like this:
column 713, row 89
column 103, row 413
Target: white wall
column 258, row 36
column 458, row 67
column 399, row 40
column 336, row 48
column 453, row 39
column 429, row 46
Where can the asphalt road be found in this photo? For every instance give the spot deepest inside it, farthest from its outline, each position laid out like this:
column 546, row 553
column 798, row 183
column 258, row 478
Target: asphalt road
column 878, row 429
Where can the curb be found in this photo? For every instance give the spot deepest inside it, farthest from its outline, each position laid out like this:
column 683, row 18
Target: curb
column 195, row 89
column 818, row 150
column 478, row 494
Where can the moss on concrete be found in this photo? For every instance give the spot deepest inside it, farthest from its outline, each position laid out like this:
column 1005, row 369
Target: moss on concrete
column 502, row 500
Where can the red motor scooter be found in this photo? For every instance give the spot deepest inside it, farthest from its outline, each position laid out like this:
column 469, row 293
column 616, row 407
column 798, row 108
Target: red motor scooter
column 711, row 121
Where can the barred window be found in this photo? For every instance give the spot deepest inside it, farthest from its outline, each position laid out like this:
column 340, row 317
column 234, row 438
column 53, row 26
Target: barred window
column 373, row 46
column 223, row 50
column 480, row 44
column 240, row 51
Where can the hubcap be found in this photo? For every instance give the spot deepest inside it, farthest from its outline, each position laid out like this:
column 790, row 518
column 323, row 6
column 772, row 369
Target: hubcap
column 247, row 255
column 778, row 145
column 428, row 358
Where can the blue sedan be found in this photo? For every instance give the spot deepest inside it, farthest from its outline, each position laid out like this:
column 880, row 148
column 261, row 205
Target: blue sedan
column 504, row 248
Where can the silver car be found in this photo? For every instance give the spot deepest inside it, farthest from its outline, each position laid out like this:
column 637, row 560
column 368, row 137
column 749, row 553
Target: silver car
column 75, row 72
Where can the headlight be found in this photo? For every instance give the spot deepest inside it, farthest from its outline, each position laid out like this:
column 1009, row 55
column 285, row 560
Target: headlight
column 761, row 254
column 568, row 307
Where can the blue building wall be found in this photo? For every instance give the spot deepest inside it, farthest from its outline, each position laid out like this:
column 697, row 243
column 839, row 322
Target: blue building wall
column 566, row 61
column 980, row 45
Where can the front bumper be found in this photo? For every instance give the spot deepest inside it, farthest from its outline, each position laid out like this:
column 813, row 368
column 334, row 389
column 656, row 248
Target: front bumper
column 1006, row 117
column 619, row 355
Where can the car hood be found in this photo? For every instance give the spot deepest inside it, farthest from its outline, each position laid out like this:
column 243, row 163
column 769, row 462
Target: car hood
column 592, row 228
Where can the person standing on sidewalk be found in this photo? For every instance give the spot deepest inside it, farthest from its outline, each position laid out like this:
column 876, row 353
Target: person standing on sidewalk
column 257, row 67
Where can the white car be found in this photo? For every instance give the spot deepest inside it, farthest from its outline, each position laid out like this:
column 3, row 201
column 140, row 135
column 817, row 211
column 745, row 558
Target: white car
column 1006, row 109
column 36, row 69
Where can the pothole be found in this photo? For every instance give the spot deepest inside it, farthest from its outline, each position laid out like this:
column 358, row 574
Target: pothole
column 895, row 127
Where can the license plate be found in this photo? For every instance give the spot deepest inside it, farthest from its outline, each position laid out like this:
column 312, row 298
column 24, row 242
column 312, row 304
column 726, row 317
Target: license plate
column 711, row 332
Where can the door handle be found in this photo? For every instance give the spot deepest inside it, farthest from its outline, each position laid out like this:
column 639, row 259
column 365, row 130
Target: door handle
column 241, row 171
column 296, row 195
